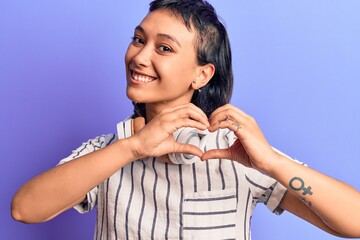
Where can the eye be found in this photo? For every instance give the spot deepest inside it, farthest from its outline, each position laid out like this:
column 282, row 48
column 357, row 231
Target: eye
column 165, row 49
column 137, row 39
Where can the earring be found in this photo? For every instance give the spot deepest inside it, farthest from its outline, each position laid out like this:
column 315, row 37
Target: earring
column 199, row 89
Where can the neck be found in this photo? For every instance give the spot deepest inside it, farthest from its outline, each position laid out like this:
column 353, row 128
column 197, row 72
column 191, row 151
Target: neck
column 152, row 109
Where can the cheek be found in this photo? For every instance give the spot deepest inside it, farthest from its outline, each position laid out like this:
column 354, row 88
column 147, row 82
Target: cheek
column 180, row 68
column 186, row 67
column 129, row 54
column 183, row 76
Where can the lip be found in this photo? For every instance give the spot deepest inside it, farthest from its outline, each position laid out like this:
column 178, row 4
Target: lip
column 138, row 77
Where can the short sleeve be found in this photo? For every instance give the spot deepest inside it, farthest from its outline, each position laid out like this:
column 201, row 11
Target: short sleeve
column 88, row 147
column 267, row 190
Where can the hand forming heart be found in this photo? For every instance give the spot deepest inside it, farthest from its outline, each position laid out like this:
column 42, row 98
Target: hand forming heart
column 250, row 149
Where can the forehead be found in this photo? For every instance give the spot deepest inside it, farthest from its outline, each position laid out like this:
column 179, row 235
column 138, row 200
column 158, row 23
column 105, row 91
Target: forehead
column 163, row 21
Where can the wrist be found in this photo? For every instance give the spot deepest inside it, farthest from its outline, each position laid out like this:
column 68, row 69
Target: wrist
column 126, row 152
column 134, row 148
column 274, row 162
column 277, row 164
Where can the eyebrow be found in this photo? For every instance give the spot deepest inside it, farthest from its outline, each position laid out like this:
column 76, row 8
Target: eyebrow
column 160, row 35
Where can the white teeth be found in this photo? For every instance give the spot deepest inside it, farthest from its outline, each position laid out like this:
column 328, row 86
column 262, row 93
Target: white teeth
column 141, row 78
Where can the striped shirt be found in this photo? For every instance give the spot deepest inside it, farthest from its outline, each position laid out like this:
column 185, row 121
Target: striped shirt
column 150, row 199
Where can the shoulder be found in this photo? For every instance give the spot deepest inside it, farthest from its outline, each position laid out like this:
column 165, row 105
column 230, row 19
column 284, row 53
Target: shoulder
column 91, row 145
column 99, row 142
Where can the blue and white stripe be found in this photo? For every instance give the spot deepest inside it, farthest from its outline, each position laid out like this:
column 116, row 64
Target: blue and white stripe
column 150, row 199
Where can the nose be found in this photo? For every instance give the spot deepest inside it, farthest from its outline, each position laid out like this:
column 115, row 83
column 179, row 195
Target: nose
column 143, row 56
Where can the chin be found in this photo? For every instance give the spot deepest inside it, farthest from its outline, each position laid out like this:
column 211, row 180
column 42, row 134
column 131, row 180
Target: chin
column 131, row 97
column 135, row 96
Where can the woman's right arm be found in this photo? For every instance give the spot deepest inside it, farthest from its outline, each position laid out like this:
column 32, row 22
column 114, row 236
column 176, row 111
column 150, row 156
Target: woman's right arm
column 61, row 188
column 54, row 191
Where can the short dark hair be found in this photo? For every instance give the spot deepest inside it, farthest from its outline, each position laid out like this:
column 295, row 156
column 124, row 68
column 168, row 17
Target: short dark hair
column 212, row 46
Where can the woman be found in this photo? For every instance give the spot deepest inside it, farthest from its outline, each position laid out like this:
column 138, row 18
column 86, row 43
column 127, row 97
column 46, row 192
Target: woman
column 179, row 76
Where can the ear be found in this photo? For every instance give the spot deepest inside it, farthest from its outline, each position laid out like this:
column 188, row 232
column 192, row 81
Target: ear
column 203, row 76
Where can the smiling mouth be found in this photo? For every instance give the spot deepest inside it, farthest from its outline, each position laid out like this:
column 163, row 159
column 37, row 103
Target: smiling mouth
column 141, row 78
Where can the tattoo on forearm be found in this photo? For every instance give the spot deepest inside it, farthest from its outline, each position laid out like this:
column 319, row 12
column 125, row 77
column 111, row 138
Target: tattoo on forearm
column 297, row 184
column 307, row 203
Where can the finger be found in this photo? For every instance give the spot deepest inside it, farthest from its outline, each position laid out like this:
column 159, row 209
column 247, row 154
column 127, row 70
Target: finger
column 137, row 124
column 186, row 122
column 236, row 127
column 216, row 154
column 226, row 119
column 190, row 113
column 229, row 112
column 188, row 149
column 224, row 114
column 228, row 107
column 184, row 106
column 198, row 110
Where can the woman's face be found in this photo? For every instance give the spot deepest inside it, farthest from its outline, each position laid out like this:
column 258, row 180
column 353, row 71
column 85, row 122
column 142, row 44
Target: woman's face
column 161, row 61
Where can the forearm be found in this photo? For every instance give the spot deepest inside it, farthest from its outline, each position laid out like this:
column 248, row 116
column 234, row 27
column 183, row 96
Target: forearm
column 335, row 202
column 62, row 187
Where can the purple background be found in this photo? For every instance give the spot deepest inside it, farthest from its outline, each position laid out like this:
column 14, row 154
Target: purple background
column 296, row 66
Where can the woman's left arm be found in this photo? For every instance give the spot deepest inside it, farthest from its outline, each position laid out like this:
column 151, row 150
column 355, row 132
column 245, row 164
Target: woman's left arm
column 337, row 204
column 333, row 202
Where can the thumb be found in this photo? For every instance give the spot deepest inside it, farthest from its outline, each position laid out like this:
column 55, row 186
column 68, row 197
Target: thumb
column 188, row 149
column 216, row 154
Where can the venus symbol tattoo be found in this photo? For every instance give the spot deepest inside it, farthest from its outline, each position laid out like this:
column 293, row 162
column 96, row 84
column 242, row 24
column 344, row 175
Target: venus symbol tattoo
column 297, row 184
